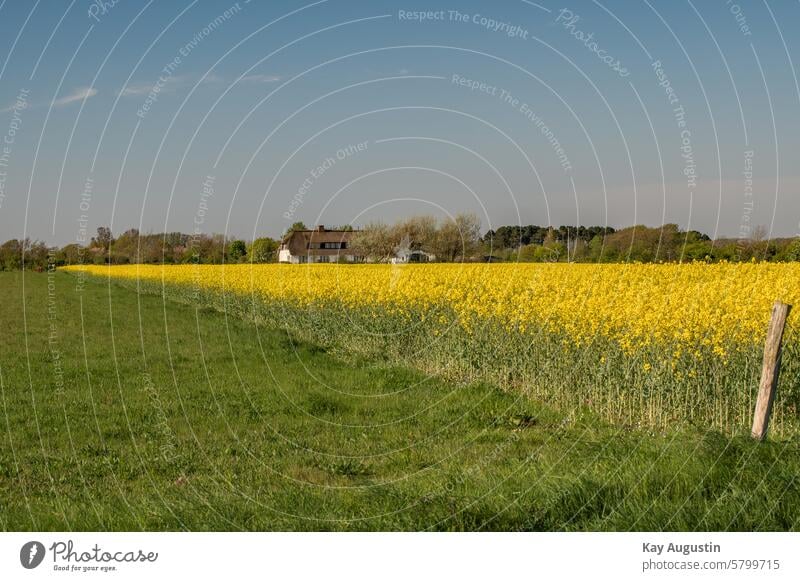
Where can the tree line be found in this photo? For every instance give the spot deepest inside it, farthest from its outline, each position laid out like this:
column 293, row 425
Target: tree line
column 667, row 243
column 132, row 247
column 459, row 239
column 449, row 240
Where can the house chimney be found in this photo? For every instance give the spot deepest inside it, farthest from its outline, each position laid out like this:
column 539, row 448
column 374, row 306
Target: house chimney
column 320, row 228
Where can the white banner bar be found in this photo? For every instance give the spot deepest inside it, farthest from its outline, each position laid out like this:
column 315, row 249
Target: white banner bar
column 388, row 556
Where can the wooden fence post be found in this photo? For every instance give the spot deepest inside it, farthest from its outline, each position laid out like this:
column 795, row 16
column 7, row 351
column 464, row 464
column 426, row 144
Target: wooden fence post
column 771, row 370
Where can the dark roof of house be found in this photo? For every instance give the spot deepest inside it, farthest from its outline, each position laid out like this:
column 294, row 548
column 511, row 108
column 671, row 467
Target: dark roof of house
column 299, row 241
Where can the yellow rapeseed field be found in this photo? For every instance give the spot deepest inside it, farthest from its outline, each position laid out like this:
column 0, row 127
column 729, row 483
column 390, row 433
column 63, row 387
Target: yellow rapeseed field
column 641, row 344
column 721, row 305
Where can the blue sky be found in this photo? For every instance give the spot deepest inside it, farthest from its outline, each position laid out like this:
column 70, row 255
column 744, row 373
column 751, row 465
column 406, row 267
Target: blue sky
column 245, row 117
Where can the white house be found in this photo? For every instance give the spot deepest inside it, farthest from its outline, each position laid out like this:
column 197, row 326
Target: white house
column 318, row 245
column 406, row 255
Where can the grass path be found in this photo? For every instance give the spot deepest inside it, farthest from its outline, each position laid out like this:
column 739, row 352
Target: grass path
column 121, row 412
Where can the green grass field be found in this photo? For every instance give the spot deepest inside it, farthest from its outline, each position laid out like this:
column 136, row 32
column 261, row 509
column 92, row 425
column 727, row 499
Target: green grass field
column 126, row 412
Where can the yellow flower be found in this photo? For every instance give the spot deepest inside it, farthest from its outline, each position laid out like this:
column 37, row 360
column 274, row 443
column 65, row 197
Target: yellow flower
column 692, row 308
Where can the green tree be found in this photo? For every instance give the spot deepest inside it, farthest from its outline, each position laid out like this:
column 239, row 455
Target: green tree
column 263, row 250
column 793, row 251
column 236, row 250
column 71, row 254
column 296, row 227
column 11, row 255
column 697, row 250
column 37, row 255
column 103, row 240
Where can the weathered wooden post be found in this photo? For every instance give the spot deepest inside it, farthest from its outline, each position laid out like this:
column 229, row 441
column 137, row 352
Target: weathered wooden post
column 771, row 370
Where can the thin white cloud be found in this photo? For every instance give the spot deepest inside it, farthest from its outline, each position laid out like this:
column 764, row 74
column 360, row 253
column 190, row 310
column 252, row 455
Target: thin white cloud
column 77, row 95
column 165, row 85
column 135, row 89
column 212, row 78
column 261, row 79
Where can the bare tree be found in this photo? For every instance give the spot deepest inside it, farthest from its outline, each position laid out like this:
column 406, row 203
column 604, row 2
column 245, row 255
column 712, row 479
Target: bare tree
column 418, row 231
column 375, row 242
column 759, row 234
column 458, row 238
